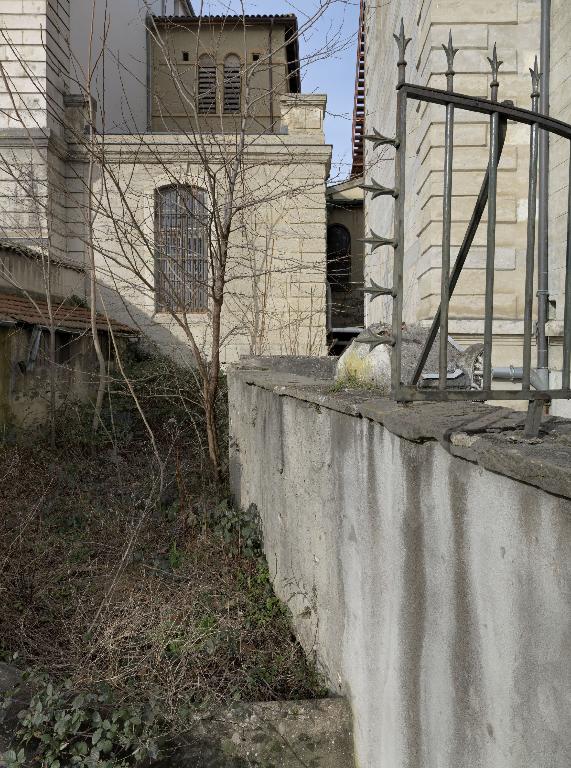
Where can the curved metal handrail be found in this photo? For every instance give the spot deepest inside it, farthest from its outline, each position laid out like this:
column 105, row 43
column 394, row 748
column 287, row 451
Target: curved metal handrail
column 505, row 109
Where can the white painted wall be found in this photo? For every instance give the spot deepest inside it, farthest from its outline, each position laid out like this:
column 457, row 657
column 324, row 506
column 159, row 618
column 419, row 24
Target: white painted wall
column 119, row 47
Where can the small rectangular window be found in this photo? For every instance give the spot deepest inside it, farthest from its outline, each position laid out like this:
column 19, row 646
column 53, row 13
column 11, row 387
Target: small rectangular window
column 185, row 56
column 255, row 57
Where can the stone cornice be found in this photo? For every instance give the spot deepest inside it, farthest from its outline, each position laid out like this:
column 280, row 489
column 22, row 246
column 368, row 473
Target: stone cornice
column 172, row 148
column 33, row 138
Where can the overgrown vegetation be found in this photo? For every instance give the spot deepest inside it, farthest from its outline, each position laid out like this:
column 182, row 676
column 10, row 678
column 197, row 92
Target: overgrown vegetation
column 127, row 574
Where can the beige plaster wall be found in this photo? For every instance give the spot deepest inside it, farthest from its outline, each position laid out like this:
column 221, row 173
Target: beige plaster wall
column 263, row 81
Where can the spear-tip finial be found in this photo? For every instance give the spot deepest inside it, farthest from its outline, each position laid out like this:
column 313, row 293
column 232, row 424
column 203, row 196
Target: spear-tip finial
column 450, row 52
column 402, row 41
column 535, row 79
column 495, row 65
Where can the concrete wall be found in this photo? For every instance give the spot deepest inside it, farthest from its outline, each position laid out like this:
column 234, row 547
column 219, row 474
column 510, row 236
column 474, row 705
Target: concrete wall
column 25, row 389
column 20, row 273
column 476, row 26
column 434, row 590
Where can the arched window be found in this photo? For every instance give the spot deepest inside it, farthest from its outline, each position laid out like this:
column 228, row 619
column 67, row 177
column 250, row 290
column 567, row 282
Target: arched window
column 232, row 84
column 181, row 244
column 206, row 85
column 338, row 255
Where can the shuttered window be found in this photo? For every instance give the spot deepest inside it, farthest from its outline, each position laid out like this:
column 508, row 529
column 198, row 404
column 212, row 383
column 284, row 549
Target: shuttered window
column 181, row 243
column 232, row 84
column 206, row 85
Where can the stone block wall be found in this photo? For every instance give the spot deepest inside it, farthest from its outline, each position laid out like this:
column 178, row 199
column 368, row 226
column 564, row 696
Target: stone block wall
column 275, row 297
column 475, row 26
column 560, row 107
column 34, row 40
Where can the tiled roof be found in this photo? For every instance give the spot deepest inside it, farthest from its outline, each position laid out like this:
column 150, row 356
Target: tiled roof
column 68, row 317
column 251, row 17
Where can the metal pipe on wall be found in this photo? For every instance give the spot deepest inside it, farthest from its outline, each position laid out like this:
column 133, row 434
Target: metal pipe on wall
column 543, row 194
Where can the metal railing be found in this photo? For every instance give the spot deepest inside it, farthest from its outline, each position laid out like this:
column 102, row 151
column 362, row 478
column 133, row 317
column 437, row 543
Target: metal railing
column 499, row 114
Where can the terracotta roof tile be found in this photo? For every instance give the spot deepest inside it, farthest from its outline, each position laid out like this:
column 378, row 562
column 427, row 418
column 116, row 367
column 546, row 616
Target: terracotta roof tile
column 248, row 17
column 68, row 317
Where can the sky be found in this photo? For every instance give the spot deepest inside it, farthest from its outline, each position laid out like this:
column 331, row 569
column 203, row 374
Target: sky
column 328, row 49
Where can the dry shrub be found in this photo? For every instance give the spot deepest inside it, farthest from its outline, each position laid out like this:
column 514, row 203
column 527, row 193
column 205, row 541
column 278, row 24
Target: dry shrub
column 107, row 578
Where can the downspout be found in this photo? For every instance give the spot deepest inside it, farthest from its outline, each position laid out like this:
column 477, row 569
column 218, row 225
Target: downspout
column 149, row 75
column 271, row 65
column 543, row 194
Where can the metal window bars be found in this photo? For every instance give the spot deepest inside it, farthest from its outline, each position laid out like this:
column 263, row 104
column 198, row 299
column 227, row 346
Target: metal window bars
column 181, row 239
column 499, row 114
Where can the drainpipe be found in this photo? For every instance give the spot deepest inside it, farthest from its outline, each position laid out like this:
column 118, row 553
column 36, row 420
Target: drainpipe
column 271, row 64
column 149, row 75
column 543, row 194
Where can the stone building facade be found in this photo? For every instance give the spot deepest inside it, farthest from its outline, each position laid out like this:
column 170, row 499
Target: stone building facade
column 80, row 173
column 560, row 107
column 514, row 25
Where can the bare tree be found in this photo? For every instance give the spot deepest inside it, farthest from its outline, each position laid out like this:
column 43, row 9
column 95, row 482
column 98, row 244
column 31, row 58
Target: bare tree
column 230, row 279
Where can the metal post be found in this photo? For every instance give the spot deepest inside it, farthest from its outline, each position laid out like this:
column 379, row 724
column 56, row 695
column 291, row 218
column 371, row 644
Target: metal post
column 491, row 238
column 543, row 221
column 400, row 174
column 531, row 213
column 450, row 52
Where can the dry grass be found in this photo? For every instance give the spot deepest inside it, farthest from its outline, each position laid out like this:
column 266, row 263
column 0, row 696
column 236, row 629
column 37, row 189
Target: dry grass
column 105, row 580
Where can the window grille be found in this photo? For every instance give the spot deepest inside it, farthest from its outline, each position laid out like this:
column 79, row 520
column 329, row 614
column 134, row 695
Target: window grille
column 206, row 85
column 232, row 84
column 181, row 241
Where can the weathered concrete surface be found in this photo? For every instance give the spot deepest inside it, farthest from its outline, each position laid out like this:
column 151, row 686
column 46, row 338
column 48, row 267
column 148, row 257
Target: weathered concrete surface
column 304, row 734
column 435, row 589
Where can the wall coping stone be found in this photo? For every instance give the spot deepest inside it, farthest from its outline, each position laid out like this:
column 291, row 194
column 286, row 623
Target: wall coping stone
column 490, row 436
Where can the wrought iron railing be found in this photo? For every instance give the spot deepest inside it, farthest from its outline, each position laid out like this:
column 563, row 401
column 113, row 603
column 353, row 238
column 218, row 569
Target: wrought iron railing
column 499, row 115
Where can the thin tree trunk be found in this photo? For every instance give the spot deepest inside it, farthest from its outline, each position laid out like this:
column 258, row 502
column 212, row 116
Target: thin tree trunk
column 52, row 385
